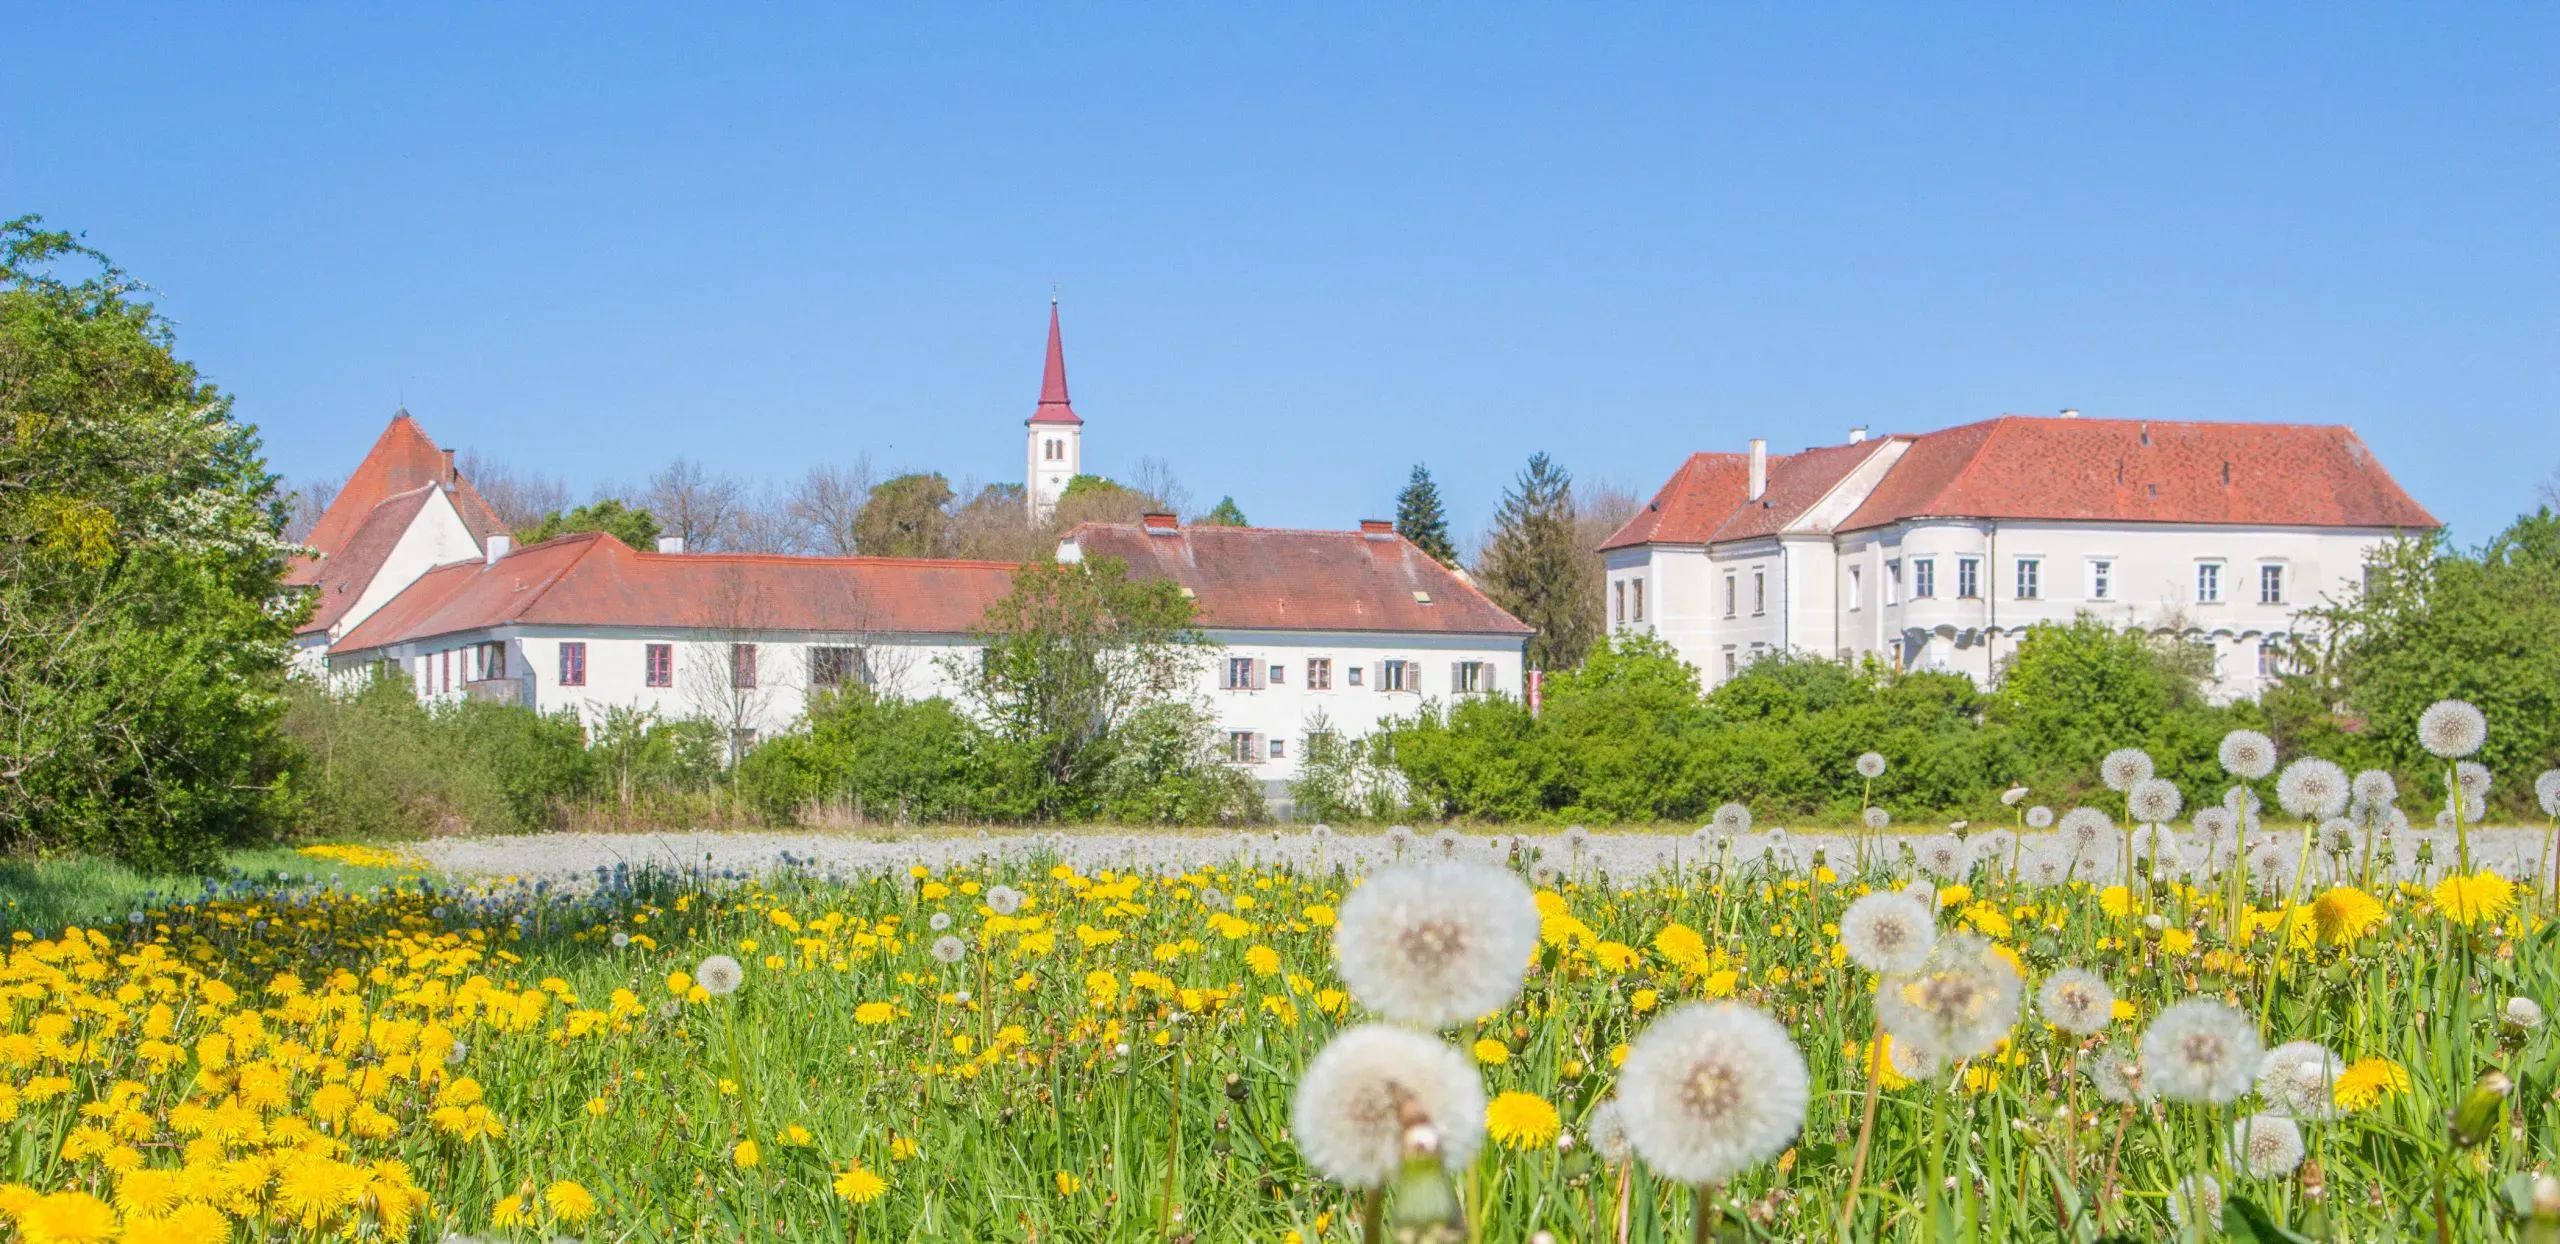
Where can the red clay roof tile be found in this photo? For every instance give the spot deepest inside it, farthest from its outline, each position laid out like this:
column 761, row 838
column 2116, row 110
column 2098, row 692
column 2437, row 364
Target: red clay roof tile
column 1265, row 578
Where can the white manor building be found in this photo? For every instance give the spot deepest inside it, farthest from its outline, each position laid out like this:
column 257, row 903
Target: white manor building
column 413, row 572
column 1936, row 551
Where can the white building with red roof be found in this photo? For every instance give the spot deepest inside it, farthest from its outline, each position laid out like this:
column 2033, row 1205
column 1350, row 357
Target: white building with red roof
column 1937, row 550
column 1314, row 630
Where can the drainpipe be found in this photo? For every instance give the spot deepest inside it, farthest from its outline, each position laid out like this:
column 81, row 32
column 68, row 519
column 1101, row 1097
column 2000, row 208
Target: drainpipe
column 1991, row 599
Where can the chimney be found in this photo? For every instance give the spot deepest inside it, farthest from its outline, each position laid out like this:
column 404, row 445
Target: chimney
column 1377, row 528
column 671, row 544
column 2070, row 412
column 1858, row 435
column 499, row 547
column 1759, row 468
column 1157, row 522
column 450, row 474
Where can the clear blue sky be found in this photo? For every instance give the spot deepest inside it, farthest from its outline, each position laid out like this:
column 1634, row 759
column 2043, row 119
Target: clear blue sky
column 1302, row 248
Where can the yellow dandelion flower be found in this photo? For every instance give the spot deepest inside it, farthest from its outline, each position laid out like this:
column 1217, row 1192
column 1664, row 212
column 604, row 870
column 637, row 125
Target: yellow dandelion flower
column 2346, row 913
column 2480, row 897
column 67, row 1218
column 859, row 1185
column 569, row 1201
column 1521, row 1121
column 2368, row 1082
column 747, row 1154
column 1067, row 1184
column 1492, row 1053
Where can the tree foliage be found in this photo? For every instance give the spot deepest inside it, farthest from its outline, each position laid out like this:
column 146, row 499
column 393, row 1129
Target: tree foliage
column 904, row 517
column 1226, row 513
column 142, row 645
column 1420, row 518
column 1533, row 565
column 635, row 527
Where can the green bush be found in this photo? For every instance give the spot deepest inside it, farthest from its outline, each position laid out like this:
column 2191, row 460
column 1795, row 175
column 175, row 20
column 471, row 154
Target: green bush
column 374, row 762
column 1165, row 769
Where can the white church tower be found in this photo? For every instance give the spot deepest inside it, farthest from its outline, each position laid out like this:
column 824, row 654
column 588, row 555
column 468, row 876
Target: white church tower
column 1055, row 451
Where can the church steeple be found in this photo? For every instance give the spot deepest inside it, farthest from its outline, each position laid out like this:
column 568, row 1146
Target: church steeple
column 1053, row 407
column 1055, row 440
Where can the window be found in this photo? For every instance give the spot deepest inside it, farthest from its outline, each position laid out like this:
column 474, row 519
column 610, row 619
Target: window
column 2271, row 584
column 1279, row 674
column 742, row 666
column 1759, row 592
column 493, row 663
column 2030, row 577
column 1471, row 677
column 1728, row 594
column 1732, row 663
column 573, row 665
column 1319, row 673
column 1638, row 585
column 1240, row 674
column 2208, row 582
column 1924, row 578
column 426, row 673
column 2102, row 579
column 1618, row 599
column 1352, row 675
column 2270, row 659
column 1968, row 578
column 447, row 665
column 1240, row 747
column 1893, row 581
column 1857, row 588
column 1278, row 749
column 836, row 667
column 1398, row 676
column 660, row 662
column 1895, row 647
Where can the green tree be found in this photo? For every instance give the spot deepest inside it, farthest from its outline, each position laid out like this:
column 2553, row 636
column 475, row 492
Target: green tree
column 1068, row 656
column 904, row 517
column 628, row 523
column 1420, row 519
column 142, row 651
column 1533, row 565
column 1224, row 514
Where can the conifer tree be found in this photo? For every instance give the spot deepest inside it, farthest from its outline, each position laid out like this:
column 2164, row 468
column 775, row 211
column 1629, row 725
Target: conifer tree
column 1420, row 519
column 1225, row 514
column 1533, row 565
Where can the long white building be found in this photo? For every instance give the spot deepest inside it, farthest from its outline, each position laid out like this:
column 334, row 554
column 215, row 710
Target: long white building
column 1937, row 551
column 412, row 572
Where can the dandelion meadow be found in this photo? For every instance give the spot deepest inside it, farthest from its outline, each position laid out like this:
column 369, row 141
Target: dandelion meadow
column 2302, row 1019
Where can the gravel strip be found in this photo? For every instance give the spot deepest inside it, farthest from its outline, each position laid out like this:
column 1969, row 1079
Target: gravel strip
column 569, row 857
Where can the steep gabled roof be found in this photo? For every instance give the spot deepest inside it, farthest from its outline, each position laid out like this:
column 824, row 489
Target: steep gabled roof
column 1708, row 499
column 342, row 579
column 1264, row 578
column 2143, row 471
column 593, row 580
column 402, row 460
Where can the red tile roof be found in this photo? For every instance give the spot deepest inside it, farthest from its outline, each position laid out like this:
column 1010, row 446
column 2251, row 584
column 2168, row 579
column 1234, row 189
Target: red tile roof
column 343, row 577
column 592, row 579
column 402, row 459
column 1053, row 407
column 2030, row 467
column 2143, row 471
column 1264, row 578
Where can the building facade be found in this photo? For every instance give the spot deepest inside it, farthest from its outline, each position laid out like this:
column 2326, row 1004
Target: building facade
column 1937, row 551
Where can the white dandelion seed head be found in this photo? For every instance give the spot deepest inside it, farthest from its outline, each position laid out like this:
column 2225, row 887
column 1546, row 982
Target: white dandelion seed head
column 2197, row 1199
column 2268, row 865
column 2242, row 801
column 1448, row 840
column 1876, row 818
column 2117, row 1076
column 2013, row 796
column 2201, row 1050
column 1543, row 875
column 2156, row 842
column 2212, row 824
column 621, row 940
column 1399, row 835
column 2471, row 778
column 2267, row 1146
column 1945, row 858
column 1733, row 818
column 2521, row 1013
column 2087, row 827
column 1887, row 932
column 2039, row 817
column 2374, row 788
column 2337, row 835
column 1911, row 1062
column 719, row 975
column 1921, row 893
column 1711, row 1090
column 2312, row 789
column 2452, row 729
column 1958, row 1003
column 939, row 921
column 2247, row 754
column 1320, row 831
column 2123, row 767
column 1004, row 900
column 2077, row 1001
column 947, row 949
column 2154, row 800
column 2299, row 1079
column 1870, row 765
column 1576, row 837
column 2546, row 792
column 1607, row 1132
column 1367, row 1086
column 1436, row 944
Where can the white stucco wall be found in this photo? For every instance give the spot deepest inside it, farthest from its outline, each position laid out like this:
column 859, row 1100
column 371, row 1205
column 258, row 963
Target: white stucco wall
column 1285, row 709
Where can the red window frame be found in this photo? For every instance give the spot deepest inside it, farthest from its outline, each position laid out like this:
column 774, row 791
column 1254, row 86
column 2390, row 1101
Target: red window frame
column 573, row 664
column 742, row 666
column 662, row 665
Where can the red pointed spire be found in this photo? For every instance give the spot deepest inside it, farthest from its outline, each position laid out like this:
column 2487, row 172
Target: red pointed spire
column 1053, row 406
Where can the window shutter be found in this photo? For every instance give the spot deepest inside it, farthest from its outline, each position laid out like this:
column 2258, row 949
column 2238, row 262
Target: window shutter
column 1489, row 668
column 1259, row 748
column 1456, row 670
column 1378, row 676
column 1261, row 679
